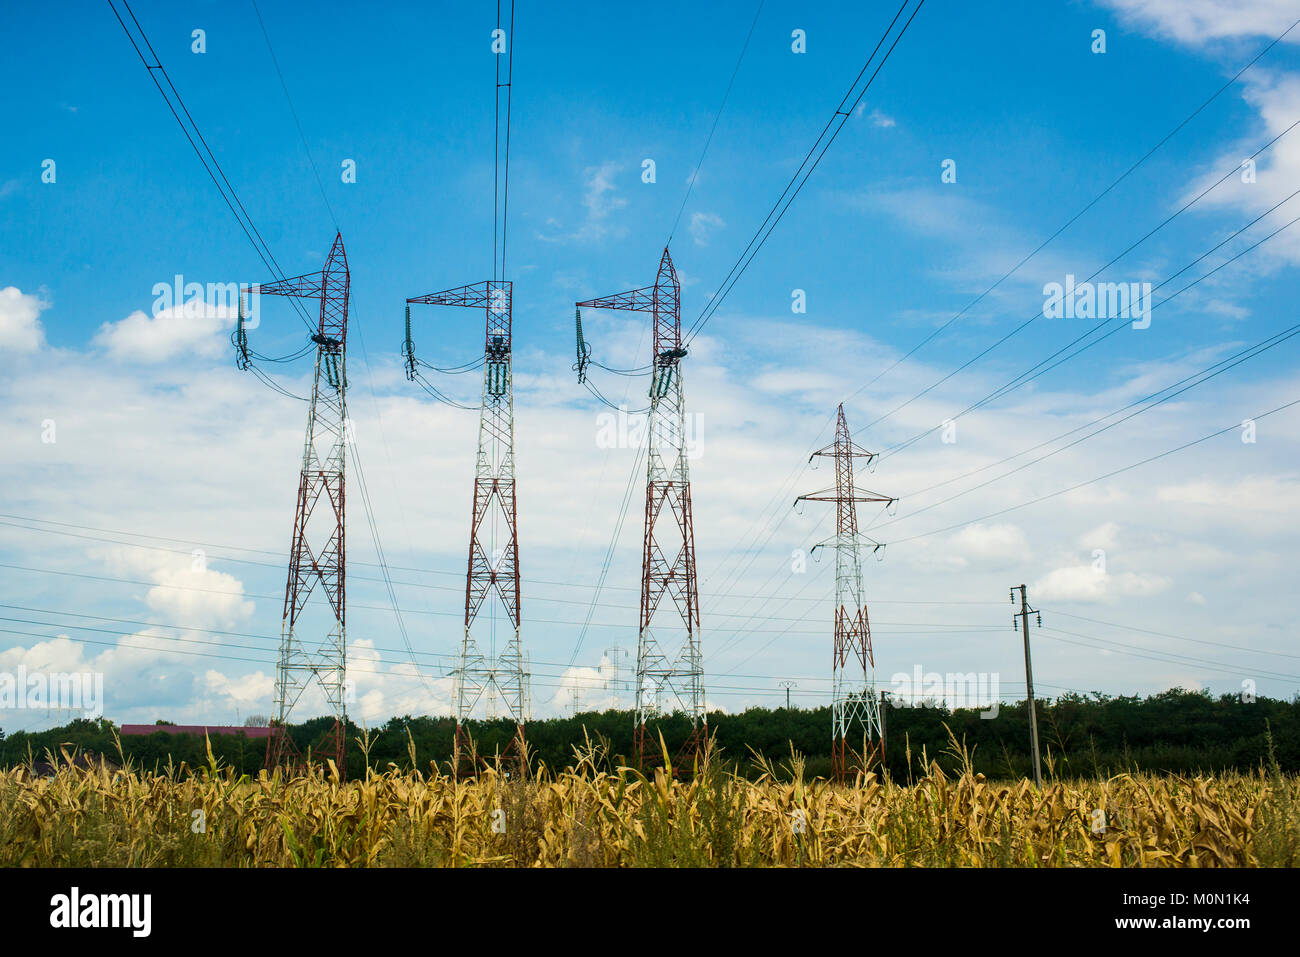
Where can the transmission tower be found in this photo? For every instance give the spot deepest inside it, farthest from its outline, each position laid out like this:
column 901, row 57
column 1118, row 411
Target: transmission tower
column 314, row 644
column 854, row 699
column 669, row 664
column 493, row 541
column 482, row 672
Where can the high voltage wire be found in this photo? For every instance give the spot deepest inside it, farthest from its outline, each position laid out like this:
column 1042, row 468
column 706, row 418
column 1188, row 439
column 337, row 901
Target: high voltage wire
column 379, row 553
column 504, row 192
column 1039, row 369
column 773, row 509
column 206, row 156
column 760, row 237
column 275, row 638
column 841, row 115
column 1015, row 383
column 636, row 465
column 1042, row 498
column 1169, row 658
column 296, row 122
column 1233, row 361
column 1260, row 351
column 352, row 562
column 570, row 680
column 949, row 627
column 1228, row 363
column 609, row 556
column 1165, row 634
column 1075, row 218
column 690, row 184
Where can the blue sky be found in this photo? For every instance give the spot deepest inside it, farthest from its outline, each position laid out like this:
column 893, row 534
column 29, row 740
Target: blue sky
column 159, row 435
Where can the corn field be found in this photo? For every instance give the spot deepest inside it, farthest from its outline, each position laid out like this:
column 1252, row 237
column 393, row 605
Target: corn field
column 593, row 814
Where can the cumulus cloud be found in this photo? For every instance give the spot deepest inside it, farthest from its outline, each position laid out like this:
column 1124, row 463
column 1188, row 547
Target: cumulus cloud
column 20, row 325
column 600, row 200
column 1196, row 22
column 703, row 226
column 1086, row 583
column 1256, row 493
column 991, row 542
column 203, row 595
column 194, row 328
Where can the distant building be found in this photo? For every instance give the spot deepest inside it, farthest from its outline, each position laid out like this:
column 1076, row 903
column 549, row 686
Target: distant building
column 212, row 730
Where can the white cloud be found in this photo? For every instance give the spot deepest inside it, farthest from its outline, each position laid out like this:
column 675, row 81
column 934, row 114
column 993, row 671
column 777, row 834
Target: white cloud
column 1270, row 493
column 1105, row 536
column 1085, row 583
column 600, row 200
column 201, row 597
column 20, row 325
column 703, row 225
column 992, row 542
column 1196, row 22
column 195, row 328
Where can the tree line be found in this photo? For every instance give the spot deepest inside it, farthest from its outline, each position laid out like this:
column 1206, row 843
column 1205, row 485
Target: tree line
column 1176, row 731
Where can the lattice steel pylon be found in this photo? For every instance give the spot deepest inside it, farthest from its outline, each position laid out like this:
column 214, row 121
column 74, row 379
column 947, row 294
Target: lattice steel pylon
column 669, row 661
column 317, row 553
column 493, row 545
column 854, row 700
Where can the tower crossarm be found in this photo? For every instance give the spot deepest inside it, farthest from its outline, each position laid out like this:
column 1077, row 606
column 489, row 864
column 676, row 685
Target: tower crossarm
column 307, row 286
column 852, row 449
column 663, row 300
column 635, row 300
column 473, row 296
column 329, row 284
column 493, row 296
column 857, row 495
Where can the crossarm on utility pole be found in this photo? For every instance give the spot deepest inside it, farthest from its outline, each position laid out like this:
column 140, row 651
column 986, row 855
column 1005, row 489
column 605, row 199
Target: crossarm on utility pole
column 634, row 300
column 308, row 286
column 832, row 495
column 494, row 296
column 474, row 296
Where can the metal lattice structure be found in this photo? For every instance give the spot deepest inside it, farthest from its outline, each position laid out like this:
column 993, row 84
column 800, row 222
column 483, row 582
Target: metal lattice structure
column 313, row 641
column 669, row 663
column 492, row 579
column 854, row 702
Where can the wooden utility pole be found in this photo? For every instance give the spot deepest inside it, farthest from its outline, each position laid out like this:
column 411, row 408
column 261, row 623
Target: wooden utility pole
column 883, row 712
column 1023, row 615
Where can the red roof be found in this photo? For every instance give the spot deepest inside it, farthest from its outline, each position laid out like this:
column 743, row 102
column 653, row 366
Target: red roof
column 199, row 729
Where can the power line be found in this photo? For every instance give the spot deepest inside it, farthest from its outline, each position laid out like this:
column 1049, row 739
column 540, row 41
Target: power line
column 1099, row 478
column 351, row 562
column 773, row 509
column 948, row 628
column 205, row 155
column 1165, row 634
column 1039, row 314
column 1168, row 657
column 1075, row 218
column 1200, row 377
column 288, row 99
column 837, row 120
column 690, row 184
